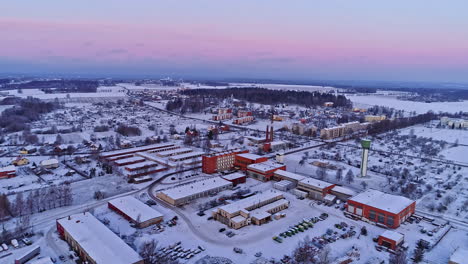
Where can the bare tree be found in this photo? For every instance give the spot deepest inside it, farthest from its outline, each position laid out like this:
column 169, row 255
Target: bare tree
column 398, row 258
column 149, row 251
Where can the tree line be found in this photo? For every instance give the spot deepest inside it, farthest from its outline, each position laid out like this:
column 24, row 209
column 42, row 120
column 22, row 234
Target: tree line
column 271, row 97
column 397, row 123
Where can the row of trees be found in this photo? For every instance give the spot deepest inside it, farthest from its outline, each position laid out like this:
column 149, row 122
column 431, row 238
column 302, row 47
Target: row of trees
column 387, row 125
column 271, row 97
column 38, row 200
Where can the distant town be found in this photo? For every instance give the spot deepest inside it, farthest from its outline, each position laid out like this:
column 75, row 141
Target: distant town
column 173, row 171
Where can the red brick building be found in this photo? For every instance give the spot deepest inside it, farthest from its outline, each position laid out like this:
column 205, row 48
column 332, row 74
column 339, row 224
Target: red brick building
column 7, row 172
column 220, row 161
column 384, row 209
column 236, row 178
column 244, row 160
column 390, row 239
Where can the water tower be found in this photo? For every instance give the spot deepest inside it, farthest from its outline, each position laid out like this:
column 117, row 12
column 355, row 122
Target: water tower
column 365, row 154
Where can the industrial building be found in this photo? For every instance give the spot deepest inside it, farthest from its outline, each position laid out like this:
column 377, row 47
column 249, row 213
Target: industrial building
column 7, row 172
column 186, row 156
column 256, row 209
column 316, row 189
column 222, row 161
column 128, row 161
column 382, row 208
column 454, row 123
column 280, row 175
column 183, row 194
column 94, row 242
column 245, row 159
column 459, row 256
column 173, row 152
column 236, row 178
column 127, row 151
column 135, row 211
column 390, row 239
column 264, row 171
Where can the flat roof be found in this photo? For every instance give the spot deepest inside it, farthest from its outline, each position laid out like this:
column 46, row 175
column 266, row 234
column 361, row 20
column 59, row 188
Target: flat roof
column 265, row 166
column 392, row 235
column 136, row 149
column 131, row 159
column 173, row 151
column 384, row 201
column 344, row 190
column 8, row 168
column 290, row 175
column 262, row 212
column 233, row 176
column 98, row 241
column 187, row 155
column 134, row 208
column 190, row 189
column 141, row 165
column 249, row 156
column 250, row 201
column 45, row 260
column 459, row 256
column 315, row 183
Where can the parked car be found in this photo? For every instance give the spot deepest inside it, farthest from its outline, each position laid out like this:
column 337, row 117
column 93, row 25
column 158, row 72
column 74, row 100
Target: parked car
column 14, row 243
column 26, row 241
column 4, row 246
column 222, row 230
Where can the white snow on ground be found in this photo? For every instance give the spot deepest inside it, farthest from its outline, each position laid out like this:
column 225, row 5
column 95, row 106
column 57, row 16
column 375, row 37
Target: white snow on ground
column 366, row 101
column 445, row 134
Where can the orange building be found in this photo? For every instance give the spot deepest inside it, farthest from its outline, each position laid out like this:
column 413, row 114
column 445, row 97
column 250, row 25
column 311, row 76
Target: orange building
column 220, row 161
column 244, row 160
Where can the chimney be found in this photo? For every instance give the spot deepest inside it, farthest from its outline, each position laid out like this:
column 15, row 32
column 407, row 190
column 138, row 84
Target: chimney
column 271, row 136
column 267, row 129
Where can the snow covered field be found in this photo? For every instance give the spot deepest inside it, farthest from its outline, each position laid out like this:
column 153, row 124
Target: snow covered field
column 365, row 101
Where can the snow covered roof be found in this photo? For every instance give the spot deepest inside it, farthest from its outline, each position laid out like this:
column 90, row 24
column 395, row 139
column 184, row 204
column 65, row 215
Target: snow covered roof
column 49, row 162
column 173, row 151
column 343, row 190
column 8, row 169
column 249, row 156
column 134, row 208
column 265, row 166
column 141, row 165
column 190, row 189
column 187, row 155
column 98, row 241
column 250, row 201
column 392, row 235
column 233, row 176
column 137, row 149
column 289, row 175
column 262, row 212
column 46, row 260
column 315, row 183
column 459, row 256
column 387, row 202
column 127, row 160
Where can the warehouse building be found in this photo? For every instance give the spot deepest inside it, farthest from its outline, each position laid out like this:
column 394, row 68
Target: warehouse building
column 391, row 239
column 128, row 161
column 264, row 171
column 316, row 189
column 243, row 160
column 127, row 151
column 7, row 172
column 280, row 175
column 256, row 210
column 223, row 161
column 183, row 194
column 135, row 211
column 459, row 256
column 383, row 209
column 186, row 156
column 94, row 242
column 173, row 152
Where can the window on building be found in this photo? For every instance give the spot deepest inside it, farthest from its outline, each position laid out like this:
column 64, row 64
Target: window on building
column 381, row 218
column 390, row 220
column 372, row 215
